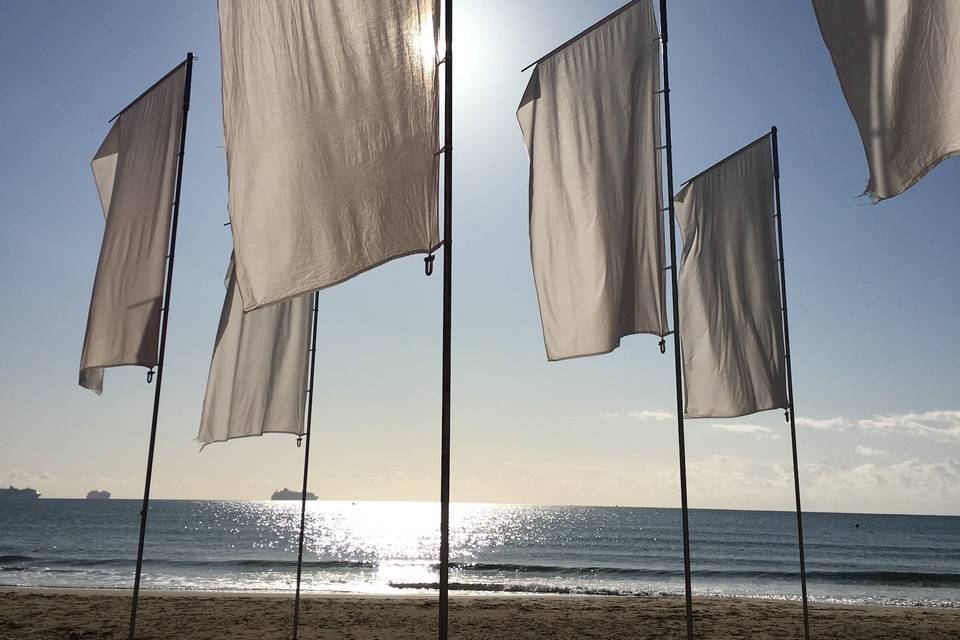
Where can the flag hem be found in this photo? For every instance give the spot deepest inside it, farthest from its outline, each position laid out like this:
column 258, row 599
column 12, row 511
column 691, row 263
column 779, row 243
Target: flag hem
column 250, row 435
column 405, row 254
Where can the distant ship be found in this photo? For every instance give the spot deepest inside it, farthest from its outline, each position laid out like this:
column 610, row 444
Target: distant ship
column 98, row 495
column 286, row 494
column 12, row 493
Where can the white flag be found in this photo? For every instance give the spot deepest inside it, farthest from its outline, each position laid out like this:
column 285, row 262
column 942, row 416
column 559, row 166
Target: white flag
column 731, row 327
column 135, row 170
column 330, row 115
column 898, row 62
column 258, row 374
column 590, row 121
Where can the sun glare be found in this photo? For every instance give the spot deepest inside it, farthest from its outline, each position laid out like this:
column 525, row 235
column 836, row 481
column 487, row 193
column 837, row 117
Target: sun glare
column 427, row 44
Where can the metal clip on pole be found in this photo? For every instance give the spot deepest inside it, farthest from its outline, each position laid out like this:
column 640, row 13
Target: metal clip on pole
column 428, row 265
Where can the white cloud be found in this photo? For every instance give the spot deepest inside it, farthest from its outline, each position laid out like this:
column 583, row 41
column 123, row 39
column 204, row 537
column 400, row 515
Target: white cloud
column 822, row 423
column 739, row 481
column 611, row 414
column 870, row 452
column 743, row 428
column 910, row 486
column 943, row 426
column 734, row 482
column 654, row 416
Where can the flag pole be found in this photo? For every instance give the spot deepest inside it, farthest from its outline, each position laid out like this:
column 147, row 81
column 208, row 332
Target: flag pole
column 688, row 593
column 306, row 463
column 163, row 344
column 447, row 293
column 791, row 410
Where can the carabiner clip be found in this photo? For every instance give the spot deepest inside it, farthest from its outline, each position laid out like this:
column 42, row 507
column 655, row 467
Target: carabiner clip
column 428, row 265
column 663, row 345
column 150, row 375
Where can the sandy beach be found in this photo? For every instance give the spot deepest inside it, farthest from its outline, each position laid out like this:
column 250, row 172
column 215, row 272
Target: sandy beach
column 94, row 615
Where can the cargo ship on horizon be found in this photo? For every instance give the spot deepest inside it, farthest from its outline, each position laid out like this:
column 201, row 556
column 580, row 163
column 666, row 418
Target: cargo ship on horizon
column 12, row 493
column 287, row 494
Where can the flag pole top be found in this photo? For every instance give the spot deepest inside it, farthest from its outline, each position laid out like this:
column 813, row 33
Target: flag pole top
column 189, row 60
column 773, row 132
column 582, row 33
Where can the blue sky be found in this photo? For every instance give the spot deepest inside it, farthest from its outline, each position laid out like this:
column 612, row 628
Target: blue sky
column 874, row 301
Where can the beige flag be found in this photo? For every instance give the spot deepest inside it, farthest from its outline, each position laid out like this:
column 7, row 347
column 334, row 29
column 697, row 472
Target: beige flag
column 731, row 327
column 330, row 118
column 590, row 121
column 899, row 67
column 258, row 373
column 134, row 169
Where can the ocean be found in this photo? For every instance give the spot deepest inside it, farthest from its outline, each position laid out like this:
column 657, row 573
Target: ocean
column 391, row 548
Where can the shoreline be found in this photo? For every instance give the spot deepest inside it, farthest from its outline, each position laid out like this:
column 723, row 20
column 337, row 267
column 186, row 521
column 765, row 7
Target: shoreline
column 35, row 613
column 455, row 594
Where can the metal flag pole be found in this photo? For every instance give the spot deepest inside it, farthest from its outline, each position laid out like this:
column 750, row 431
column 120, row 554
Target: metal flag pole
column 688, row 593
column 163, row 344
column 306, row 463
column 791, row 411
column 447, row 292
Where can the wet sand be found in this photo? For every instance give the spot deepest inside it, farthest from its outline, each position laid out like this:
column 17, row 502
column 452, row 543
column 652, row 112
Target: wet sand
column 55, row 614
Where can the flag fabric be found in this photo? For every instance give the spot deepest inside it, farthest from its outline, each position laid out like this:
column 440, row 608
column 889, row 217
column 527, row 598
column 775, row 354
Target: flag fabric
column 331, row 124
column 258, row 375
column 731, row 327
column 898, row 62
column 135, row 171
column 590, row 122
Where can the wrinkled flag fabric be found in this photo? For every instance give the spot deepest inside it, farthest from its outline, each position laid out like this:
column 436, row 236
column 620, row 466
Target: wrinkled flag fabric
column 258, row 375
column 731, row 328
column 330, row 118
column 590, row 122
column 898, row 62
column 135, row 171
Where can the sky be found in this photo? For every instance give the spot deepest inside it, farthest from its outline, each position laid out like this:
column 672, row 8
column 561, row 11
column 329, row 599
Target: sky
column 873, row 295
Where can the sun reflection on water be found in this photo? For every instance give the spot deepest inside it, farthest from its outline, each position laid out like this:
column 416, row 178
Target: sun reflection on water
column 370, row 546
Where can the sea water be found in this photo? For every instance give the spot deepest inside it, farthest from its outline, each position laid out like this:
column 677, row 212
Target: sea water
column 391, row 548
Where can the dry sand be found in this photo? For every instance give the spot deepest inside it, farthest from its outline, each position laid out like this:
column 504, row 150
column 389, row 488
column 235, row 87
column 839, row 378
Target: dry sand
column 95, row 615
